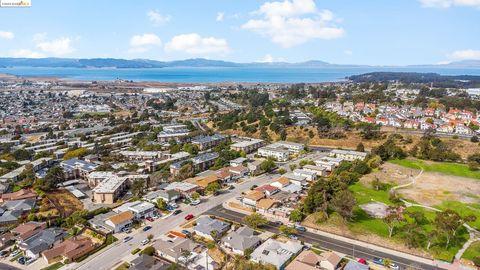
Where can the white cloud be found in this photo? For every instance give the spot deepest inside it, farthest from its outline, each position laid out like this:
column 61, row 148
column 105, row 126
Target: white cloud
column 195, row 44
column 145, row 40
column 464, row 55
column 450, row 3
column 287, row 8
column 25, row 53
column 7, row 35
column 267, row 59
column 56, row 47
column 156, row 18
column 220, row 17
column 294, row 22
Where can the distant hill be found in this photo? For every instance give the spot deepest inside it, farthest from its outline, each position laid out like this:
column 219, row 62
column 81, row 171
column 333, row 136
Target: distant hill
column 197, row 62
column 414, row 77
column 465, row 64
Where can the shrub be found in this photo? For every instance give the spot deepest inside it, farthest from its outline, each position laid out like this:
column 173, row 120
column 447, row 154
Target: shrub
column 135, row 251
column 148, row 251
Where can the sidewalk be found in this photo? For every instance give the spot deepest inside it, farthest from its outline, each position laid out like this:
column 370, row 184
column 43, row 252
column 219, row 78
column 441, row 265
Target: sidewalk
column 360, row 243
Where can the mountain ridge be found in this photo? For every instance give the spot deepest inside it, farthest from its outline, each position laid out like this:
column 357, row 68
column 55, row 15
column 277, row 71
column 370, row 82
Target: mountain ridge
column 192, row 62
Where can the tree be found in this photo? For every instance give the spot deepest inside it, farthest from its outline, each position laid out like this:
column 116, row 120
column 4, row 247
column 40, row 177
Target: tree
column 213, row 187
column 150, row 251
column 418, row 217
column 75, row 153
column 54, row 176
column 447, row 223
column 343, row 203
column 360, row 147
column 296, row 215
column 413, row 234
column 474, row 139
column 28, row 174
column 138, row 188
column 161, row 204
column 431, row 237
column 267, row 165
column 186, row 171
column 195, row 195
column 255, row 220
column 150, row 237
column 215, row 235
column 393, row 218
column 286, row 230
column 293, row 167
column 21, row 154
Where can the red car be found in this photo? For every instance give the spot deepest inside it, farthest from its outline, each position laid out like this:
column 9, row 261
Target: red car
column 362, row 261
column 149, row 219
column 189, row 216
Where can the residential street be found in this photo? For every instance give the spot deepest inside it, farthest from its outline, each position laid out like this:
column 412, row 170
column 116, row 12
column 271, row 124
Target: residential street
column 354, row 250
column 112, row 255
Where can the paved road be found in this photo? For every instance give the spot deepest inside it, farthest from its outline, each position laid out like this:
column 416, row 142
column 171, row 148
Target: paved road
column 7, row 267
column 119, row 250
column 356, row 251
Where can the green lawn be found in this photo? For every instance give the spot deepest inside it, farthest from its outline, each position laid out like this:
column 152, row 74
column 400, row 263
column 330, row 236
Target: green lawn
column 448, row 168
column 473, row 251
column 363, row 223
column 364, row 194
column 54, row 266
column 463, row 209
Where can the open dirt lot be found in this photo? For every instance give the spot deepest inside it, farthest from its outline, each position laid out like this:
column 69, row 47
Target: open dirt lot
column 65, row 202
column 430, row 188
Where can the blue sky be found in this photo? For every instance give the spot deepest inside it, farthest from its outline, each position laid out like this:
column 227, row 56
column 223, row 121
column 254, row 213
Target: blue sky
column 375, row 32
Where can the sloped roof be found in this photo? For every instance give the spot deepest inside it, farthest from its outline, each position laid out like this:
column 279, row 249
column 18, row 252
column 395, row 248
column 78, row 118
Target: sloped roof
column 122, row 217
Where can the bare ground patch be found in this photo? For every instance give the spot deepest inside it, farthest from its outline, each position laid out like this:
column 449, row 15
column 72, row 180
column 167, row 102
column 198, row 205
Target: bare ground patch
column 430, row 188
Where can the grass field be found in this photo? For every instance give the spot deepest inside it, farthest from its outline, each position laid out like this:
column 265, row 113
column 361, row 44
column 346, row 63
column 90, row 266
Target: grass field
column 362, row 223
column 473, row 251
column 364, row 194
column 464, row 210
column 448, row 168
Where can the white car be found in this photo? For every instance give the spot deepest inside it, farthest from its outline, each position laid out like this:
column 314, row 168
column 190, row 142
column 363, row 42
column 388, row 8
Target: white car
column 15, row 253
column 195, row 202
column 173, row 205
column 145, row 241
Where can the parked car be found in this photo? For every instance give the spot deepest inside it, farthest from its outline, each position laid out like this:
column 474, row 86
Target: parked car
column 150, row 219
column 195, row 202
column 4, row 253
column 126, row 239
column 301, row 229
column 362, row 261
column 145, row 241
column 146, row 228
column 188, row 217
column 24, row 260
column 231, row 187
column 177, row 212
column 378, row 261
column 293, row 236
column 127, row 230
column 277, row 223
column 187, row 233
column 15, row 253
column 394, row 266
column 173, row 205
